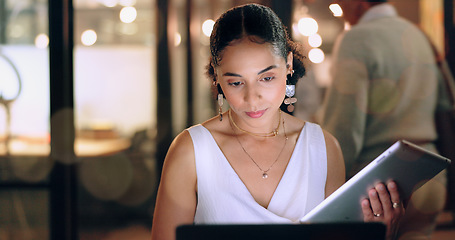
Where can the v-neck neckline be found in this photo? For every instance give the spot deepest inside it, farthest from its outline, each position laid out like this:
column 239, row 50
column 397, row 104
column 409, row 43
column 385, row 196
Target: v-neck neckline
column 280, row 182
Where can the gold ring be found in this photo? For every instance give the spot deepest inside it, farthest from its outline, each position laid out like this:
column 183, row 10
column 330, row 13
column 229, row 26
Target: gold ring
column 377, row 214
column 396, row 205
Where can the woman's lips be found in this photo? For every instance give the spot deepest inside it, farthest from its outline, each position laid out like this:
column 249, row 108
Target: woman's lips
column 256, row 114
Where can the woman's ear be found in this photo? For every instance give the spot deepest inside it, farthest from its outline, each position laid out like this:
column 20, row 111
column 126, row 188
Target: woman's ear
column 289, row 60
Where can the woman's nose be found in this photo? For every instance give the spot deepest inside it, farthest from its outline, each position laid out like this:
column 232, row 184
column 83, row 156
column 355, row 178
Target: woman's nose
column 252, row 95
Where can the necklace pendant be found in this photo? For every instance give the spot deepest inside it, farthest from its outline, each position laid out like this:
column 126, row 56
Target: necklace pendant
column 265, row 175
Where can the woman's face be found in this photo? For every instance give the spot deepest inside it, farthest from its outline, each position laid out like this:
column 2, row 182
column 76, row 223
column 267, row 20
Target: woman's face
column 253, row 80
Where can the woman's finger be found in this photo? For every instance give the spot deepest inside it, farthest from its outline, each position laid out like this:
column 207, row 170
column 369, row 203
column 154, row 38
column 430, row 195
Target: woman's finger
column 375, row 203
column 394, row 195
column 385, row 199
column 366, row 210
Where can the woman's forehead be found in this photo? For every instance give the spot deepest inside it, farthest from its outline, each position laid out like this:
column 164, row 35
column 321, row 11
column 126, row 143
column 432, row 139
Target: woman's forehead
column 249, row 54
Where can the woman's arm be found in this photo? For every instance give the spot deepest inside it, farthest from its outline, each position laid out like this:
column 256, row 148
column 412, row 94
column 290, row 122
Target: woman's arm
column 336, row 174
column 176, row 200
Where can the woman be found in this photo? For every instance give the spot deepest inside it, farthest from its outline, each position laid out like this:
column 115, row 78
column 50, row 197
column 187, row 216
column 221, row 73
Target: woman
column 254, row 163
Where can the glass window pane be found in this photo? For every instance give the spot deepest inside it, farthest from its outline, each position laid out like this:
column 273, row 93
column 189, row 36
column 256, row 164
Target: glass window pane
column 115, row 109
column 24, row 89
column 24, row 119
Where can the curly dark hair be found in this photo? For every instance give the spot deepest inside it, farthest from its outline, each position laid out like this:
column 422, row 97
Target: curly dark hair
column 259, row 22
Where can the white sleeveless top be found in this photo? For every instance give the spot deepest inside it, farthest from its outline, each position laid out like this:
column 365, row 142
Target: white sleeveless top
column 222, row 198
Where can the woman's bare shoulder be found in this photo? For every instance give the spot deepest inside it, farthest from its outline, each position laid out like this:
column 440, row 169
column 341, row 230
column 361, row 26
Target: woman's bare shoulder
column 182, row 144
column 330, row 141
column 180, row 154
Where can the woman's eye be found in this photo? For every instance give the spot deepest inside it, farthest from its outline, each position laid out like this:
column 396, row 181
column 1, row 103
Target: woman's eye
column 268, row 78
column 235, row 84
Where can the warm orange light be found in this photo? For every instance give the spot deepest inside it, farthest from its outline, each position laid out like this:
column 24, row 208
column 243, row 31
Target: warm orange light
column 128, row 14
column 307, row 26
column 315, row 40
column 336, row 10
column 89, row 37
column 207, row 27
column 42, row 41
column 316, row 55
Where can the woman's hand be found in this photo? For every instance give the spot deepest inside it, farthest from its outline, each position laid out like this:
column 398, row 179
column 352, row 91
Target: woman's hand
column 384, row 205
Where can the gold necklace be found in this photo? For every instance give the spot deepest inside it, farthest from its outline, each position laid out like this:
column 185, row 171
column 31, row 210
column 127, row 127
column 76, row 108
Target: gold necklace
column 270, row 134
column 265, row 175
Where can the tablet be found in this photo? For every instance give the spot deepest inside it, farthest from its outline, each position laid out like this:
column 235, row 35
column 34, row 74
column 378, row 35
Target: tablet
column 409, row 165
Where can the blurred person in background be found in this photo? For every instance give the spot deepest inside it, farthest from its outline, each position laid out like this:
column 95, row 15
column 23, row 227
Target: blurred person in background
column 385, row 88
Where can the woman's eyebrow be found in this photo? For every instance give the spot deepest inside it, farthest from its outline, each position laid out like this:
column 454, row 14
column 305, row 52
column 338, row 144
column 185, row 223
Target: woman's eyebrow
column 229, row 74
column 260, row 72
column 267, row 69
